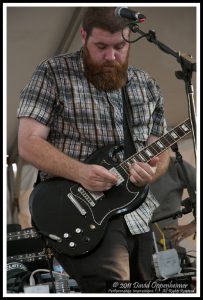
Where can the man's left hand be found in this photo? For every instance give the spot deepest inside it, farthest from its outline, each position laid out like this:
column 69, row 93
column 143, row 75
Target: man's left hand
column 143, row 173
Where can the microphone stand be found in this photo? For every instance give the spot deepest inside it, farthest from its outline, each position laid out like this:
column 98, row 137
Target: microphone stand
column 189, row 206
column 175, row 215
column 188, row 66
column 188, row 203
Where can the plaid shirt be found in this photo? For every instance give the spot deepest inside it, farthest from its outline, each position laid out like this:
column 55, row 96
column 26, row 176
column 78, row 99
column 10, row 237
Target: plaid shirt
column 82, row 119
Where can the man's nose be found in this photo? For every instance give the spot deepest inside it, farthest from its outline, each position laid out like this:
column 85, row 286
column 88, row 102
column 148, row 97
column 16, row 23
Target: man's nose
column 110, row 54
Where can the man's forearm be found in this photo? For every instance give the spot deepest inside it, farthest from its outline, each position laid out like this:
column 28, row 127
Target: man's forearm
column 47, row 158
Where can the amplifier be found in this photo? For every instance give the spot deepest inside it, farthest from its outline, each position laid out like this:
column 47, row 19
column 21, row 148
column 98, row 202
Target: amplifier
column 26, row 252
column 27, row 247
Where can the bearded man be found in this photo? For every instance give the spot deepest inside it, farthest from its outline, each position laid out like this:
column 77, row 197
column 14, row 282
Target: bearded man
column 72, row 107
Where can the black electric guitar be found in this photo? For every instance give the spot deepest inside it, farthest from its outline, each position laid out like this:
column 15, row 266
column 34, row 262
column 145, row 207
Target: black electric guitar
column 73, row 219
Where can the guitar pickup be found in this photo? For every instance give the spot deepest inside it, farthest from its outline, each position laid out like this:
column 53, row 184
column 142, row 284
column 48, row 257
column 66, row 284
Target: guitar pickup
column 86, row 196
column 120, row 178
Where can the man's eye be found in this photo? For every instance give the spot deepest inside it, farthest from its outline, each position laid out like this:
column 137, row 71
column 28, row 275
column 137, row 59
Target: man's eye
column 120, row 46
column 101, row 47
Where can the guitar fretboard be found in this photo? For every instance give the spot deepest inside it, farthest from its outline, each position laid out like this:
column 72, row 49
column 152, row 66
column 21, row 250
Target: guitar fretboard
column 159, row 146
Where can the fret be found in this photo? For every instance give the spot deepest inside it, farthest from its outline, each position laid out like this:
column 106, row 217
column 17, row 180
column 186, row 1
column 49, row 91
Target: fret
column 181, row 130
column 132, row 160
column 174, row 135
column 155, row 147
column 125, row 167
column 123, row 170
column 142, row 156
column 165, row 141
column 160, row 145
column 149, row 152
column 169, row 138
column 185, row 128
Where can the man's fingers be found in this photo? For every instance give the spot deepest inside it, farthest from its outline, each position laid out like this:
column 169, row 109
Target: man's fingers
column 153, row 162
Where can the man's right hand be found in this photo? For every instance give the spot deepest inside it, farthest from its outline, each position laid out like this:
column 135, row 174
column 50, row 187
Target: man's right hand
column 96, row 178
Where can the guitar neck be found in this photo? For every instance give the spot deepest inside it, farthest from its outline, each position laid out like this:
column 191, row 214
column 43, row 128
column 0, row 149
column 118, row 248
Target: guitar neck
column 159, row 146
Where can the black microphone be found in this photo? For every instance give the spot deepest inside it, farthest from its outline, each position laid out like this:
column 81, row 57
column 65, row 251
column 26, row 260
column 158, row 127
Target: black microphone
column 129, row 14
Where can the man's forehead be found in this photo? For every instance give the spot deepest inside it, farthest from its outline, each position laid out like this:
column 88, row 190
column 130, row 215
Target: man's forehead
column 104, row 35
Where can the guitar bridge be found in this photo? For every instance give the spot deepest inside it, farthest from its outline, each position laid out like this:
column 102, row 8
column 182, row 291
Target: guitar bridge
column 77, row 204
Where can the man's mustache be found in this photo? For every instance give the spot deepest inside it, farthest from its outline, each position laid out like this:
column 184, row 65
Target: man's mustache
column 112, row 65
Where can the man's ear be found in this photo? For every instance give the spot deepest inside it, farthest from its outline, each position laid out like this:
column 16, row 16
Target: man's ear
column 83, row 35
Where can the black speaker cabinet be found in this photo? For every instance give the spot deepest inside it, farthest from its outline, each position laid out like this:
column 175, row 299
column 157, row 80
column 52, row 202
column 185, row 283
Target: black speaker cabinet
column 27, row 248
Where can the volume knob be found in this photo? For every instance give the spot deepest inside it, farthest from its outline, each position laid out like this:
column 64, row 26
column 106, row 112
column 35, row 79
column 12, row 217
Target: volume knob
column 72, row 244
column 66, row 235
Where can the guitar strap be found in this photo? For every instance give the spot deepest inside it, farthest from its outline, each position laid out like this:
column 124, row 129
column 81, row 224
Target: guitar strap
column 129, row 147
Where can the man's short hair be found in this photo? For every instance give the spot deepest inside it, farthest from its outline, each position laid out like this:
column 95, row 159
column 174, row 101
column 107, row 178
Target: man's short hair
column 103, row 18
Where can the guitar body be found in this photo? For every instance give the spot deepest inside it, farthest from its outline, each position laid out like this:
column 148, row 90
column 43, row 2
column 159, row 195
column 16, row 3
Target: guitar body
column 74, row 220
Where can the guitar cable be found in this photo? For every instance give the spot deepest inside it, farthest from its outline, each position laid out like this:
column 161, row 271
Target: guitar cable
column 48, row 255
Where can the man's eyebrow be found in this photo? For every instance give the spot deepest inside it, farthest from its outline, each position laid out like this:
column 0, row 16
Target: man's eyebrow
column 106, row 44
column 100, row 43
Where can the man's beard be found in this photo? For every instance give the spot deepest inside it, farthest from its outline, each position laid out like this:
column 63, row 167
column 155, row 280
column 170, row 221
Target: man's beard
column 103, row 78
